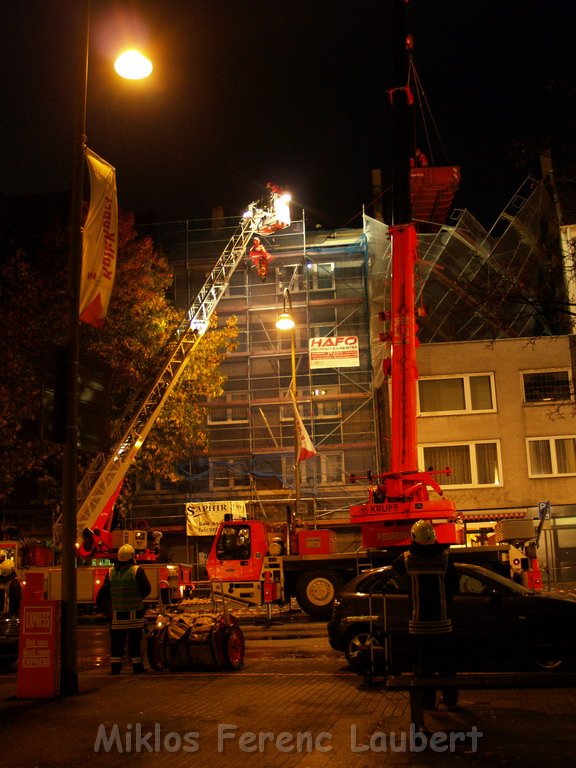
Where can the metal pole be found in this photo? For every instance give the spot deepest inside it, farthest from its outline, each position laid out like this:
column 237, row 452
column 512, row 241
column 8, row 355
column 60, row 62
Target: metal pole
column 296, row 445
column 69, row 646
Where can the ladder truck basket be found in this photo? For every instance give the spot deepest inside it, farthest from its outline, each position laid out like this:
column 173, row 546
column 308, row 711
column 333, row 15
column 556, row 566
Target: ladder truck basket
column 199, row 637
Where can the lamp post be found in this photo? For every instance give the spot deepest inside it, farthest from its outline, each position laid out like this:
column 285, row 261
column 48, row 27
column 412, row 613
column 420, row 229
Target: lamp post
column 69, row 619
column 286, row 322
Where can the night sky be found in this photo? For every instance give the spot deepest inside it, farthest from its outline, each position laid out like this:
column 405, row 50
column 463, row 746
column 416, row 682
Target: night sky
column 246, row 92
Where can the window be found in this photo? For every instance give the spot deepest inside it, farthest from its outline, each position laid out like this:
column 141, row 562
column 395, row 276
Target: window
column 290, row 276
column 229, row 414
column 332, row 468
column 546, row 386
column 321, row 276
column 383, row 581
column 287, row 411
column 236, row 285
column 326, row 409
column 472, row 464
column 325, row 469
column 228, row 474
column 550, row 456
column 315, row 277
column 454, row 394
column 233, row 543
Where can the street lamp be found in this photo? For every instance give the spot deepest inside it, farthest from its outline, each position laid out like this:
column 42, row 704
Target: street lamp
column 69, row 620
column 133, row 65
column 286, row 322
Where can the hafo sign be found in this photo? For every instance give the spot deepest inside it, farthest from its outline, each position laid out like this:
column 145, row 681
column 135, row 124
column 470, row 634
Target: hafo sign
column 334, row 352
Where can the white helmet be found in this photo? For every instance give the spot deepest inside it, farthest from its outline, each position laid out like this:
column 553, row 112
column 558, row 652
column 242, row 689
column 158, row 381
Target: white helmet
column 6, row 567
column 125, row 553
column 423, row 532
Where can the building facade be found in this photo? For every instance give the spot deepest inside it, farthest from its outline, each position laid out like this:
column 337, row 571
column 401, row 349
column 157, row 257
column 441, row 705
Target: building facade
column 322, row 279
column 502, row 416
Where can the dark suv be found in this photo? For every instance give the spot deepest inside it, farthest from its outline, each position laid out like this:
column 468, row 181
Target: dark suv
column 497, row 623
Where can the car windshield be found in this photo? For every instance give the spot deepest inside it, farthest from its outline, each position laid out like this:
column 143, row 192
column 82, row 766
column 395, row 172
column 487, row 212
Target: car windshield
column 234, row 543
column 473, row 579
column 384, row 580
column 495, row 579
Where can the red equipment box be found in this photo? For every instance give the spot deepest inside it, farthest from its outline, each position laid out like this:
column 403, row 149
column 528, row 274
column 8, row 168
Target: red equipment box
column 320, row 542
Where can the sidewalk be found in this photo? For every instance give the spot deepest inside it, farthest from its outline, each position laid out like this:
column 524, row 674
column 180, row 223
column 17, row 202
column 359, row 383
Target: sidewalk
column 315, row 711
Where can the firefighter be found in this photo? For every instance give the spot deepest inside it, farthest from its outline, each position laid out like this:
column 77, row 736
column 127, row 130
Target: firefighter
column 432, row 582
column 259, row 257
column 421, row 159
column 121, row 599
column 10, row 589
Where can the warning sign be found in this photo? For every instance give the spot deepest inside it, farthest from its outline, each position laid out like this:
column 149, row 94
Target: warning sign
column 334, row 352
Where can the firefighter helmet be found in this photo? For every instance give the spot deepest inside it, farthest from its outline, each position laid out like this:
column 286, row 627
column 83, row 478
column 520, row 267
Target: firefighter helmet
column 6, row 567
column 423, row 532
column 125, row 553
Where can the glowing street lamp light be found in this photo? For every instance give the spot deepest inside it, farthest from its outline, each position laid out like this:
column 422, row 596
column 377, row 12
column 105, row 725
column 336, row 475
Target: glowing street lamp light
column 285, row 322
column 133, row 65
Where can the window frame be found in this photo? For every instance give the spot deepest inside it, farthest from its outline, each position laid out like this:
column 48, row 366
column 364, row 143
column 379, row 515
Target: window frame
column 468, row 410
column 318, row 466
column 546, row 401
column 222, row 403
column 231, row 486
column 320, row 406
column 473, row 462
column 551, row 440
column 306, row 278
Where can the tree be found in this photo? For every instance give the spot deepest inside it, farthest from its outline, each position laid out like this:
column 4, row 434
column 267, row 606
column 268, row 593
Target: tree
column 132, row 343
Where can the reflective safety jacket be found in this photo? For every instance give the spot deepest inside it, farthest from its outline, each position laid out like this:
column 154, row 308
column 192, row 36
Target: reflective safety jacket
column 432, row 582
column 122, row 594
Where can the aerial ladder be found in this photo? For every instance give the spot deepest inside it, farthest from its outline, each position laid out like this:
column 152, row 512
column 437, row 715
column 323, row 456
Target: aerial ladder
column 102, row 482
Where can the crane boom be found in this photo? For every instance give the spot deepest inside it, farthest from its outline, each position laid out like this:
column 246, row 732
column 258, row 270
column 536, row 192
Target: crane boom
column 401, row 496
column 100, row 485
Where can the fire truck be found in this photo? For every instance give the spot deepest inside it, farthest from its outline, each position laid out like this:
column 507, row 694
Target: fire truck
column 102, row 483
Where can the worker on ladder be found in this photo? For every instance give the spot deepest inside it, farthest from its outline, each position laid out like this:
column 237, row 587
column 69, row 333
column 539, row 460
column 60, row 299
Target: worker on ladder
column 260, row 258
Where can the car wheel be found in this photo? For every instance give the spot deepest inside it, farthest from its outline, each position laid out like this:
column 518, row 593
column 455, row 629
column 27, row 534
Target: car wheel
column 359, row 642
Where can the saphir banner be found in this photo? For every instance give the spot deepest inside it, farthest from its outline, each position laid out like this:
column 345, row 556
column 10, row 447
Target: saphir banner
column 204, row 517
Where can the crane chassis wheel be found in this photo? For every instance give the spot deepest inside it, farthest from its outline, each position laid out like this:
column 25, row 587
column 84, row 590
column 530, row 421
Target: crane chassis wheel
column 315, row 592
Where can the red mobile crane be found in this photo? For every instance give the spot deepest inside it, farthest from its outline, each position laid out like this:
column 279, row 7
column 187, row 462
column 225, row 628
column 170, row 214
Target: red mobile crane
column 401, row 496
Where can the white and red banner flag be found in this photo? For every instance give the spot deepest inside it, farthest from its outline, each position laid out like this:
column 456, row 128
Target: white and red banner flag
column 99, row 242
column 306, row 448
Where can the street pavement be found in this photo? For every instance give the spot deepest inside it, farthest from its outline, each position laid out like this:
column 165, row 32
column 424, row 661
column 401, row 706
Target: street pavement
column 295, row 704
